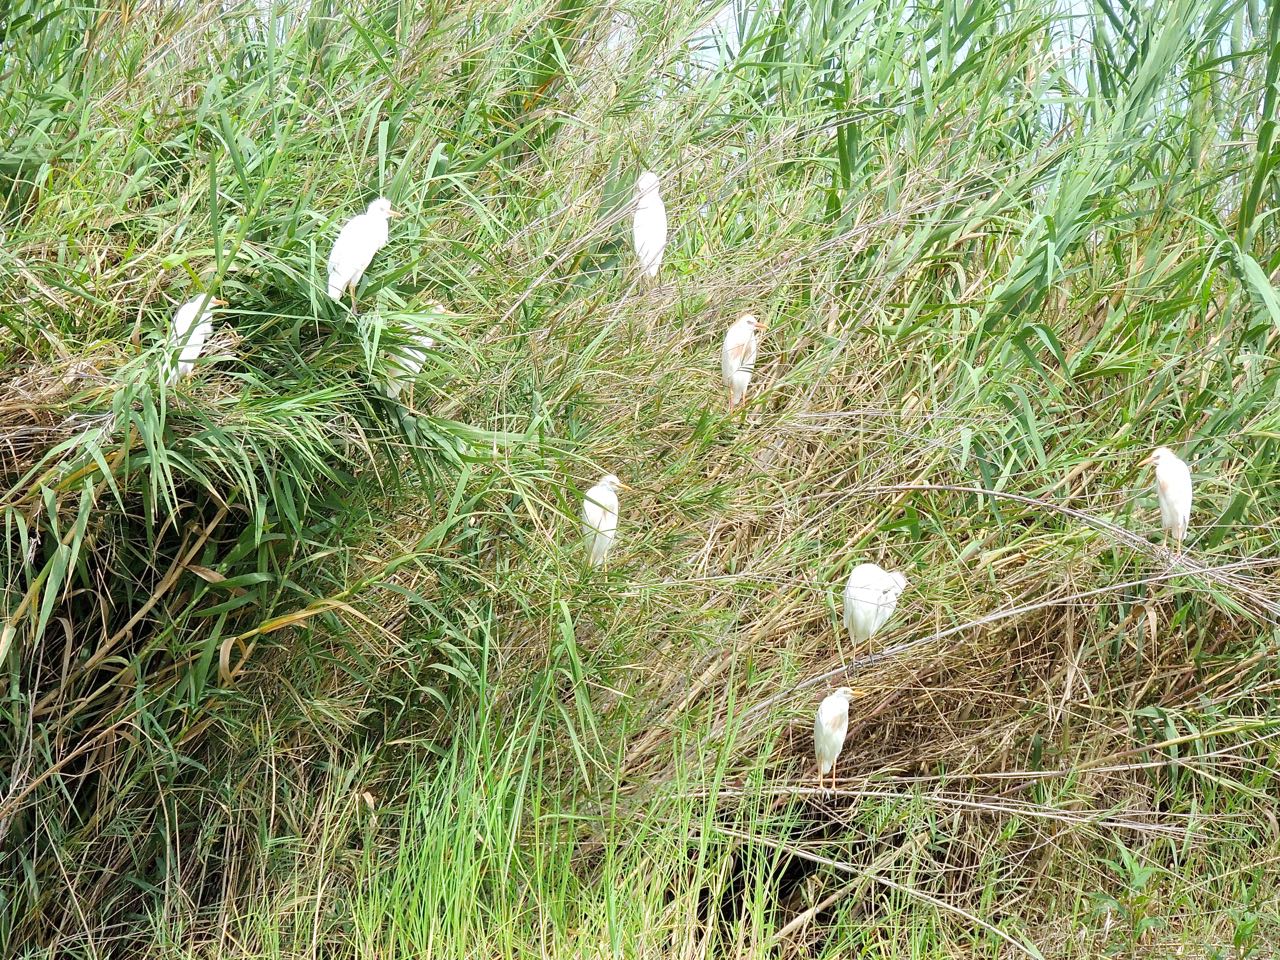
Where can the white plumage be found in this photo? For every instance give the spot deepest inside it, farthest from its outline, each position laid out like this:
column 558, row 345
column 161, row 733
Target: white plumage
column 600, row 517
column 1173, row 487
column 870, row 597
column 359, row 239
column 649, row 226
column 829, row 729
column 191, row 328
column 738, row 356
column 404, row 367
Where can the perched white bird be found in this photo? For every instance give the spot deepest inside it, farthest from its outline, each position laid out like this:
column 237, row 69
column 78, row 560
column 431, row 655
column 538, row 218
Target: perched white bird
column 404, row 367
column 359, row 239
column 870, row 597
column 738, row 356
column 600, row 517
column 191, row 328
column 1173, row 487
column 649, row 226
column 829, row 729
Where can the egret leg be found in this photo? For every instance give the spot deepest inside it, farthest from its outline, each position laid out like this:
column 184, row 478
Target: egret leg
column 352, row 287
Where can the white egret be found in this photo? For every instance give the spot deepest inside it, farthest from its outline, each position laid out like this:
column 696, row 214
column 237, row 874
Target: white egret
column 600, row 517
column 404, row 367
column 191, row 328
column 649, row 225
column 738, row 356
column 870, row 597
column 829, row 729
column 1173, row 487
column 359, row 239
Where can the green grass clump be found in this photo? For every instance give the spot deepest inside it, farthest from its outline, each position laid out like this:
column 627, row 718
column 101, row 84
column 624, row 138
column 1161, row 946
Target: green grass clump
column 295, row 670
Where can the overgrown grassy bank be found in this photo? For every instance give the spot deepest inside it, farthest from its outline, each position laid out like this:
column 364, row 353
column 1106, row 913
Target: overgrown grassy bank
column 292, row 670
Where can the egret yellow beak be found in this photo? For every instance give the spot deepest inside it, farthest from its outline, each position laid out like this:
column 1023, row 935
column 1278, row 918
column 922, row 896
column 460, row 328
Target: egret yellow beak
column 394, row 213
column 1150, row 461
column 215, row 302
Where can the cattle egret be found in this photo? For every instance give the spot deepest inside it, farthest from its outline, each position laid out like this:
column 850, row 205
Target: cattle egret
column 600, row 517
column 404, row 368
column 649, row 226
column 738, row 356
column 1173, row 487
column 829, row 729
column 191, row 328
column 870, row 597
column 359, row 239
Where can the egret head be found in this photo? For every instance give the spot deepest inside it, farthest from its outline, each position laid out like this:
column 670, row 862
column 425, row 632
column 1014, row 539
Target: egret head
column 195, row 306
column 846, row 692
column 382, row 208
column 611, row 482
column 646, row 183
column 1159, row 457
column 759, row 326
column 899, row 580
